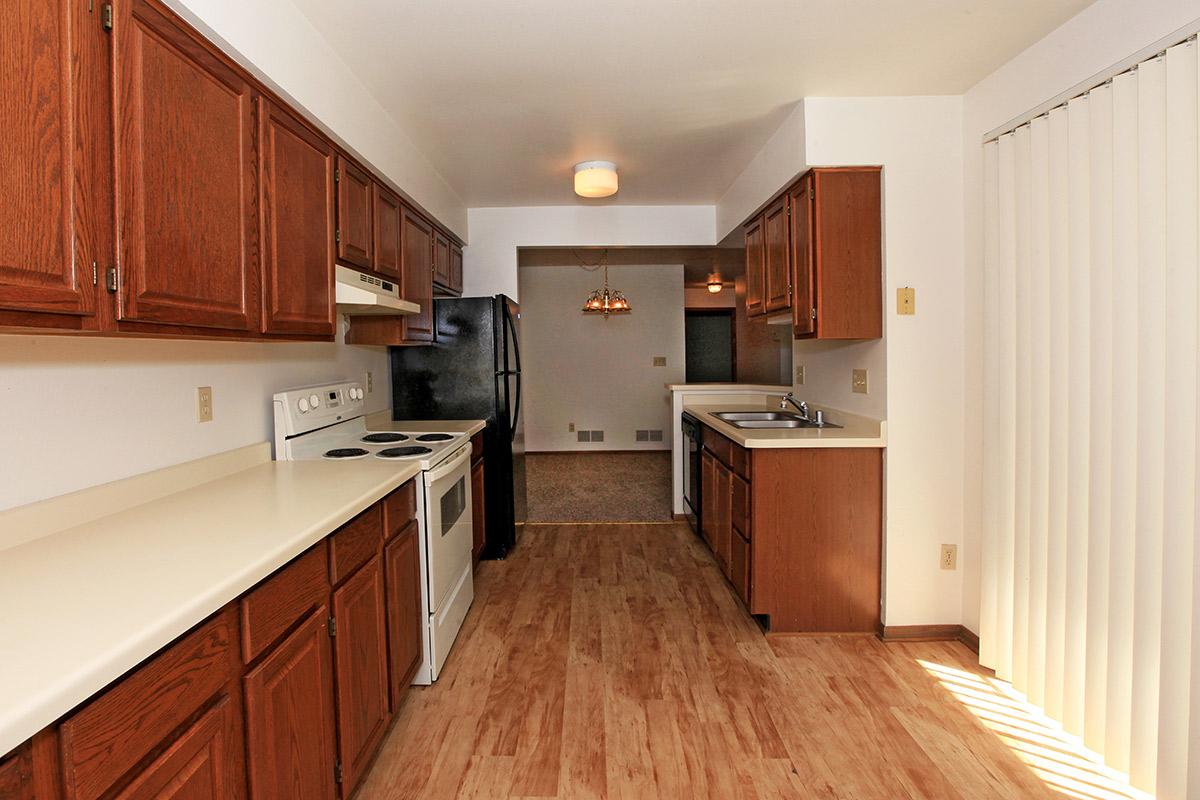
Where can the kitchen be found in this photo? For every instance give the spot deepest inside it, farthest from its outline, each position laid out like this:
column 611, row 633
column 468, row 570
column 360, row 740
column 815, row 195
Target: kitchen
column 276, row 384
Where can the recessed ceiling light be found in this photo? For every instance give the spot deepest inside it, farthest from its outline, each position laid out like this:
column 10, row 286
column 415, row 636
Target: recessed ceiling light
column 595, row 179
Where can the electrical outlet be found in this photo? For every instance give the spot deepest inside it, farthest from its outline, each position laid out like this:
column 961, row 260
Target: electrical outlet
column 949, row 557
column 858, row 381
column 800, row 375
column 660, row 361
column 570, row 427
column 204, row 404
column 370, row 382
column 906, row 301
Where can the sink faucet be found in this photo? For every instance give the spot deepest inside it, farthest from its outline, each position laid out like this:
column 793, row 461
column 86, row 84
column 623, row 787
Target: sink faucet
column 802, row 405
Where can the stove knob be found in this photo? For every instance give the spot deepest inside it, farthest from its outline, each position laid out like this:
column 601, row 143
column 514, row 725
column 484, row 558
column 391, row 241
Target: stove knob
column 314, row 401
column 358, row 393
column 353, row 393
column 303, row 405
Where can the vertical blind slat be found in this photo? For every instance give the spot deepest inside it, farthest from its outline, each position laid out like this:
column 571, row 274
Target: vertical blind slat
column 1023, row 408
column 992, row 503
column 1005, row 424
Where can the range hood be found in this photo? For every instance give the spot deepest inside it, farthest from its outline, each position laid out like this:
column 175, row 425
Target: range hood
column 360, row 293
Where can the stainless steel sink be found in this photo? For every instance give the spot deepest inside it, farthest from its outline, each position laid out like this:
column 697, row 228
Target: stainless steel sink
column 769, row 420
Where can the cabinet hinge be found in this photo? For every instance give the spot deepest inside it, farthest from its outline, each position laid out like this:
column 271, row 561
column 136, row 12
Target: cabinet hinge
column 337, row 176
column 337, row 236
column 95, row 277
column 110, row 279
column 333, row 626
column 814, row 312
column 106, row 16
column 337, row 771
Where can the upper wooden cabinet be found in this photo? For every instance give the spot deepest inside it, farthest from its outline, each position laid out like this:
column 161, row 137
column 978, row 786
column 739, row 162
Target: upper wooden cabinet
column 298, row 225
column 777, row 273
column 186, row 193
column 418, row 276
column 817, row 249
column 441, row 260
column 456, row 268
column 388, row 255
column 54, row 203
column 755, row 264
column 355, row 192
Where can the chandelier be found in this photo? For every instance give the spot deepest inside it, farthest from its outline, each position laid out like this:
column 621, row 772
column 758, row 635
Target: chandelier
column 606, row 301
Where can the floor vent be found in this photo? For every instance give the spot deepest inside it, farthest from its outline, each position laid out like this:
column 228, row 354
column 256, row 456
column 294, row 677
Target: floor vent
column 649, row 436
column 597, row 436
column 585, row 436
column 656, row 436
column 589, row 436
column 643, row 436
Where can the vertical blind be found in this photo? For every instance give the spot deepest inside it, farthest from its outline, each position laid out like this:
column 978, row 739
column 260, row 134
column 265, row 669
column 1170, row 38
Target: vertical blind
column 1091, row 569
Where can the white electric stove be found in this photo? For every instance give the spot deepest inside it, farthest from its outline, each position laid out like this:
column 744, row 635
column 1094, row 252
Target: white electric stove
column 328, row 422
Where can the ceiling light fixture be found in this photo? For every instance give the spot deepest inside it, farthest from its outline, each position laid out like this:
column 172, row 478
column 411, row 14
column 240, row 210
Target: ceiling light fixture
column 595, row 179
column 606, row 301
column 714, row 282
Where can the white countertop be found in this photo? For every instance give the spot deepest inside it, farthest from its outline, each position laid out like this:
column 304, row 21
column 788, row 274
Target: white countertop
column 858, row 431
column 382, row 421
column 83, row 600
column 727, row 387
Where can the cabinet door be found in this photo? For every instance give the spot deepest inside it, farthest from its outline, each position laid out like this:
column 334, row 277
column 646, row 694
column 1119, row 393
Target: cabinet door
column 16, row 775
column 403, row 610
column 708, row 520
column 360, row 650
column 204, row 762
column 478, row 518
column 456, row 268
column 778, row 284
column 755, row 264
column 418, row 277
column 298, row 226
column 49, row 201
column 354, row 195
column 187, row 215
column 441, row 261
column 387, row 212
column 289, row 717
column 804, row 310
column 722, row 522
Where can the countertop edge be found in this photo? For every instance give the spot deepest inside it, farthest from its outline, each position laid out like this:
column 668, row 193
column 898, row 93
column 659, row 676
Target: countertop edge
column 793, row 439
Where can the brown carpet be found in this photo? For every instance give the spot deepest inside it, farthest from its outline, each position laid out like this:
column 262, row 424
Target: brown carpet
column 599, row 487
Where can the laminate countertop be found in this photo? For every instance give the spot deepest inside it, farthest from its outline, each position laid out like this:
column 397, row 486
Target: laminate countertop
column 857, row 431
column 95, row 582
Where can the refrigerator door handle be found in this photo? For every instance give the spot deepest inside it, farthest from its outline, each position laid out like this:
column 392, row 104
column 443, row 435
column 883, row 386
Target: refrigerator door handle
column 510, row 330
column 516, row 411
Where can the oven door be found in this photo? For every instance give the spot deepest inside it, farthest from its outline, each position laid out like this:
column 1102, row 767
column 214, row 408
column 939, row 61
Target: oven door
column 448, row 526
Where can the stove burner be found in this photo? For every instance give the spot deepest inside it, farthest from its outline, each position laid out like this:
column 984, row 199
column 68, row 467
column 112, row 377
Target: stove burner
column 403, row 452
column 434, row 437
column 346, row 452
column 384, row 438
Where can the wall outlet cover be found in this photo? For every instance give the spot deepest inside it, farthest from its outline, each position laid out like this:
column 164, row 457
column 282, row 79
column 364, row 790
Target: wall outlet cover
column 660, row 361
column 370, row 382
column 204, row 404
column 858, row 381
column 906, row 301
column 570, row 427
column 949, row 557
column 800, row 375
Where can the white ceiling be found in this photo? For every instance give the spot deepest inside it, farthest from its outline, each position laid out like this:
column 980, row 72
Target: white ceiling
column 504, row 96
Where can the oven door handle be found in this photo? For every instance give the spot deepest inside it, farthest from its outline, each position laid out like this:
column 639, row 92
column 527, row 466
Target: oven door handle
column 455, row 463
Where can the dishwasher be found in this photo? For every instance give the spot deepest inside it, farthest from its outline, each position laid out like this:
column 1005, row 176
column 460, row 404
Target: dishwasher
column 691, row 470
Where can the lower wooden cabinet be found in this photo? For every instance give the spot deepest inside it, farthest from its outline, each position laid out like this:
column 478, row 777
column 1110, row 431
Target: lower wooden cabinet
column 289, row 717
column 16, row 775
column 722, row 508
column 204, row 762
column 478, row 511
column 708, row 478
column 361, row 670
column 403, row 565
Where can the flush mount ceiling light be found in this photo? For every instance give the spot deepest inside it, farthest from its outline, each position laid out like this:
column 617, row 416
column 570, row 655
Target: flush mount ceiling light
column 714, row 282
column 595, row 179
column 606, row 301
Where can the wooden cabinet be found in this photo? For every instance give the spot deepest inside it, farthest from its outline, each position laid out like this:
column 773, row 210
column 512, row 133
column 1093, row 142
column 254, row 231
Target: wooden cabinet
column 403, row 579
column 441, row 261
column 755, row 266
column 289, row 717
column 298, row 222
column 203, row 763
column 16, row 775
column 186, row 189
column 456, row 268
column 55, row 206
column 777, row 282
column 355, row 196
column 721, row 500
column 818, row 250
column 388, row 211
column 361, row 670
column 478, row 511
column 418, row 276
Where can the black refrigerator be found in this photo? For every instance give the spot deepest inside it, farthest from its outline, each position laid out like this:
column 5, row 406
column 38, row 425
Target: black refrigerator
column 473, row 371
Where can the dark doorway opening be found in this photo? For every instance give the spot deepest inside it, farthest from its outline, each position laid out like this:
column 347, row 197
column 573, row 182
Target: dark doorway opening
column 710, row 342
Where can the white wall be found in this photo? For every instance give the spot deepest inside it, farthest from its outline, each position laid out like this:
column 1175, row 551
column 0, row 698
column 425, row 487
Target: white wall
column 490, row 263
column 780, row 159
column 598, row 373
column 1100, row 36
column 81, row 411
column 827, row 374
column 276, row 42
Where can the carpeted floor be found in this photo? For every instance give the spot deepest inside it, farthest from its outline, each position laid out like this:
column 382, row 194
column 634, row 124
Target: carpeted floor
column 599, row 487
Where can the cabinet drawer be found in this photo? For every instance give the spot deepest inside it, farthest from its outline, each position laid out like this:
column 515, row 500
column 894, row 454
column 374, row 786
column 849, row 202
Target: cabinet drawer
column 477, row 446
column 739, row 566
column 718, row 445
column 739, row 513
column 113, row 732
column 399, row 509
column 282, row 599
column 355, row 543
column 739, row 460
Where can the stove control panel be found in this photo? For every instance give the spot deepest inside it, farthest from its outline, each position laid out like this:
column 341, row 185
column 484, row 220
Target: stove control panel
column 310, row 407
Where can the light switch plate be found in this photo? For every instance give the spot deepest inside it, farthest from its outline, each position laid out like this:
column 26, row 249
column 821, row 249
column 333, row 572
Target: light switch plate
column 906, row 301
column 660, row 361
column 858, row 381
column 570, row 427
column 800, row 375
column 204, row 404
column 370, row 382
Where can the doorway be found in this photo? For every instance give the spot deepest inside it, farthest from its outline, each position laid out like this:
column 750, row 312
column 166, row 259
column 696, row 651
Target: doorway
column 710, row 341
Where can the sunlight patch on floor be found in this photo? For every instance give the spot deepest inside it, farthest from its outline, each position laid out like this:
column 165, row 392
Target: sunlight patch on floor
column 1056, row 757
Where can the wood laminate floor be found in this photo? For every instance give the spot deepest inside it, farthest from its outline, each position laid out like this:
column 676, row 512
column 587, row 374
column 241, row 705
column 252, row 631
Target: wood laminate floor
column 615, row 662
